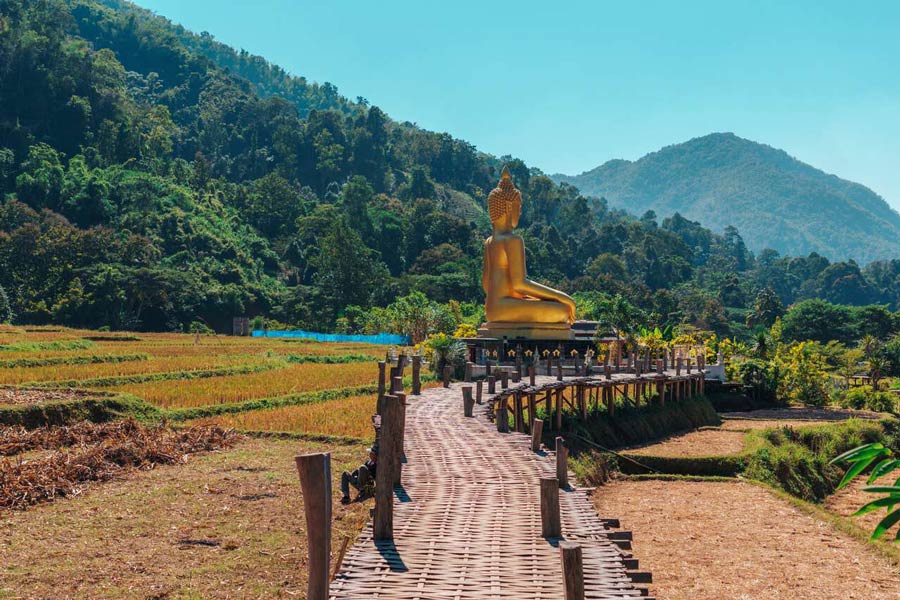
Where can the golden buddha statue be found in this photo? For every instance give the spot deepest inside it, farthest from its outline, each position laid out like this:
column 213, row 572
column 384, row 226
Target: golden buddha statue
column 515, row 306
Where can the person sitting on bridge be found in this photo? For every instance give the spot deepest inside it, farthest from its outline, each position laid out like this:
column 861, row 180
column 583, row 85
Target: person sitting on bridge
column 363, row 478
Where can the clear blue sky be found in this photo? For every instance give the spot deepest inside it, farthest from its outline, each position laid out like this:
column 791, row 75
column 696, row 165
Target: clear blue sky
column 569, row 85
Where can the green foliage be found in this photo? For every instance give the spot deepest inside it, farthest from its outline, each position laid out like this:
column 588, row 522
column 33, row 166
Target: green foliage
column 22, row 363
column 444, row 350
column 328, row 359
column 57, row 346
column 153, row 177
column 98, row 408
column 798, row 460
column 864, row 397
column 882, row 463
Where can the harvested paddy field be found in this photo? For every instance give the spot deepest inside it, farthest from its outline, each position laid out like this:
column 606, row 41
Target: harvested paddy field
column 703, row 442
column 714, row 540
column 225, row 524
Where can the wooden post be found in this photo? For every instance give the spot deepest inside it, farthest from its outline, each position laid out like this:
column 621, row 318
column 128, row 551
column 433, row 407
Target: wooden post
column 559, row 370
column 504, row 379
column 315, row 481
column 573, row 569
column 537, row 430
column 532, row 406
column 607, row 372
column 487, row 367
column 396, row 385
column 468, row 401
column 389, row 459
column 531, row 375
column 382, row 367
column 468, row 373
column 447, row 371
column 516, row 376
column 519, row 412
column 551, row 526
column 549, row 365
column 416, row 377
column 610, row 400
column 559, row 407
column 562, row 463
column 478, row 387
column 502, row 415
column 492, row 384
column 401, row 436
column 678, row 367
column 661, row 390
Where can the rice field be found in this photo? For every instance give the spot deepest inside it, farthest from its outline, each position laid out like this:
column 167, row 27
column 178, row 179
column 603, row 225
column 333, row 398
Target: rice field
column 159, row 364
column 180, row 371
column 346, row 417
column 294, row 379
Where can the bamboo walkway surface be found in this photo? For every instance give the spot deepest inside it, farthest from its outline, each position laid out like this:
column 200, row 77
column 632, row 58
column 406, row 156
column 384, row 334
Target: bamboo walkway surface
column 467, row 520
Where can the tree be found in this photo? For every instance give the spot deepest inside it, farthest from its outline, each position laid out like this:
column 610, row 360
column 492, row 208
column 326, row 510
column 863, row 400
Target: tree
column 6, row 313
column 818, row 320
column 347, row 271
column 766, row 308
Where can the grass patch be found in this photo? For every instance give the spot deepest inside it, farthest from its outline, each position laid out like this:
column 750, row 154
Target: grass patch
column 797, row 460
column 97, row 409
column 112, row 338
column 23, row 363
column 61, row 345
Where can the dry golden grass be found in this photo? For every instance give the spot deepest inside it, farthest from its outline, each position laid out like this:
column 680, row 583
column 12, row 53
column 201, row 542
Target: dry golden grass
column 347, row 417
column 152, row 365
column 237, row 388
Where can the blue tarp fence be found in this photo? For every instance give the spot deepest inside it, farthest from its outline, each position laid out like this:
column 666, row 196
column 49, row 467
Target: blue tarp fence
column 381, row 338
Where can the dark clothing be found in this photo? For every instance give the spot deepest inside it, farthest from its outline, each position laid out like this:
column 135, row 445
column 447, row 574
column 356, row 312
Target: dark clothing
column 363, row 479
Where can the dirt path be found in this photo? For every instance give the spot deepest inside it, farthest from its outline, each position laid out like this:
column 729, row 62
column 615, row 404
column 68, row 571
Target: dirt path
column 710, row 541
column 224, row 525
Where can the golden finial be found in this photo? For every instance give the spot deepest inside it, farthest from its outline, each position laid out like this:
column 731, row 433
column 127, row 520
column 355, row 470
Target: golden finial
column 504, row 174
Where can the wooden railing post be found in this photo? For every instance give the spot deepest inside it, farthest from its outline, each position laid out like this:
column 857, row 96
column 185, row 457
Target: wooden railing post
column 537, row 430
column 479, row 385
column 516, row 376
column 468, row 401
column 573, row 569
column 562, row 463
column 502, row 414
column 520, row 412
column 607, row 371
column 487, row 367
column 531, row 375
column 382, row 368
column 559, row 370
column 396, row 384
column 678, row 367
column 492, row 384
column 468, row 374
column 416, row 377
column 551, row 526
column 388, row 461
column 315, row 481
column 447, row 370
column 504, row 379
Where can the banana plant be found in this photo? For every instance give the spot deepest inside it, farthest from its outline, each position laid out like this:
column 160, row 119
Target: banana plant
column 883, row 458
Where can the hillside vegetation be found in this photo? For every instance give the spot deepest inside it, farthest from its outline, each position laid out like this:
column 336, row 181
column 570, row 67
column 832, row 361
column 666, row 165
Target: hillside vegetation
column 155, row 179
column 775, row 200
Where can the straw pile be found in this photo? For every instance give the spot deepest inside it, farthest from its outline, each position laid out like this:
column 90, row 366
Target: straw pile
column 89, row 452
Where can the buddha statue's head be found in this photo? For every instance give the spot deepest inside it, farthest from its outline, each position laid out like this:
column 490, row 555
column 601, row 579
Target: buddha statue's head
column 505, row 202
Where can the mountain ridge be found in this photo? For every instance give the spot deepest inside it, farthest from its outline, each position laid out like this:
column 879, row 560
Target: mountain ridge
column 774, row 199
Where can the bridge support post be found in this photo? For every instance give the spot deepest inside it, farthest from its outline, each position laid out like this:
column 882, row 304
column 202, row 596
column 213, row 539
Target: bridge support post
column 573, row 569
column 478, row 389
column 492, row 384
column 315, row 481
column 562, row 463
column 504, row 379
column 382, row 368
column 551, row 526
column 447, row 370
column 537, row 431
column 416, row 377
column 531, row 375
column 468, row 401
column 389, row 458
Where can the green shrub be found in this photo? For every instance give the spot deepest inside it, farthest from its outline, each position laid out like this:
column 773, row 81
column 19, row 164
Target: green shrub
column 864, row 397
column 201, row 328
column 797, row 460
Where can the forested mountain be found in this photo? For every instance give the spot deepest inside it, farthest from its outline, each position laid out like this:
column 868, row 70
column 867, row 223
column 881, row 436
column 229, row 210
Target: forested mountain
column 775, row 200
column 152, row 178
